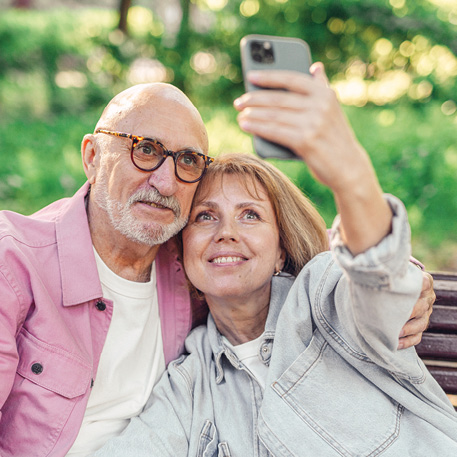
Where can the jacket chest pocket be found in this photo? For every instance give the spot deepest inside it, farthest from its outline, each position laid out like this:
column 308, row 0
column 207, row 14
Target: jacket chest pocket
column 209, row 445
column 47, row 385
column 335, row 401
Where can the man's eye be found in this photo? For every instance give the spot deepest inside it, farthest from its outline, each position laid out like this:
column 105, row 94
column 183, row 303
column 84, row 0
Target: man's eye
column 191, row 160
column 147, row 149
column 188, row 159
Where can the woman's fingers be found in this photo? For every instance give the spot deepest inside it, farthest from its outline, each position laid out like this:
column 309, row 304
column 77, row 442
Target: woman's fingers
column 270, row 98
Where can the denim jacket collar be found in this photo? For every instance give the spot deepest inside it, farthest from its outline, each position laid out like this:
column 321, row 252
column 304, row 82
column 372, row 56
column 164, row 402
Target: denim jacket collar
column 280, row 286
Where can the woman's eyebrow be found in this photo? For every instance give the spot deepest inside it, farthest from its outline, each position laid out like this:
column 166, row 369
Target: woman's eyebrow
column 213, row 205
column 206, row 204
column 256, row 203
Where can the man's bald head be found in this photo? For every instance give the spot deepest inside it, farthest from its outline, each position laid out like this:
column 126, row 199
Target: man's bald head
column 123, row 110
column 133, row 205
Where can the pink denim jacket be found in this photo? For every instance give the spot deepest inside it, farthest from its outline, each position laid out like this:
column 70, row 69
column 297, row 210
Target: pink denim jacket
column 54, row 321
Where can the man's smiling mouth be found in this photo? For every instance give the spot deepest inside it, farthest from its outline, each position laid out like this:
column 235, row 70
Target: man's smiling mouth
column 154, row 205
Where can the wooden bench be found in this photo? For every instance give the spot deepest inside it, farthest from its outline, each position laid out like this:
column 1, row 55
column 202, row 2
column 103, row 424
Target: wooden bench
column 438, row 348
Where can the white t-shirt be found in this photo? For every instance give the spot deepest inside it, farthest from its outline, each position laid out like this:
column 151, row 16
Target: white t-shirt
column 131, row 361
column 248, row 354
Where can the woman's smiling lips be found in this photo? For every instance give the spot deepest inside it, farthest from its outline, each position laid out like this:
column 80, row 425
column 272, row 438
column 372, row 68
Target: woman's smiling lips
column 227, row 259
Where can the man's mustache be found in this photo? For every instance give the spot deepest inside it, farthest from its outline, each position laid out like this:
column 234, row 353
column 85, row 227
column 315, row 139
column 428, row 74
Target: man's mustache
column 154, row 196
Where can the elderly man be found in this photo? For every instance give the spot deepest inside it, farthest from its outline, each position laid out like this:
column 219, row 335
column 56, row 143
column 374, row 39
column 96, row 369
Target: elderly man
column 94, row 302
column 62, row 269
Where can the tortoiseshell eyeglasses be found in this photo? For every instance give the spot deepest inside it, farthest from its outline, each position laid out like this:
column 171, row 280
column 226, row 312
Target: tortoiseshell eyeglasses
column 148, row 154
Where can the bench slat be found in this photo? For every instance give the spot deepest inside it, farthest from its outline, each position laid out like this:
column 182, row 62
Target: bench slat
column 440, row 346
column 446, row 377
column 444, row 317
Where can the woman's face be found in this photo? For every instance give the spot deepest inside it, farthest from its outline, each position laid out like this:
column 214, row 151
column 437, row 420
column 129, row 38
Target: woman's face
column 231, row 243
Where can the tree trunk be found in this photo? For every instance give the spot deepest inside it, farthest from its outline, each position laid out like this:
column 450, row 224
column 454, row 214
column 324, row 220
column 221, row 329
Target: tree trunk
column 182, row 43
column 123, row 12
column 25, row 4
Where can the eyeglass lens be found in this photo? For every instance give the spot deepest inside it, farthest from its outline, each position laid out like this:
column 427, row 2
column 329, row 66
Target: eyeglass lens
column 147, row 155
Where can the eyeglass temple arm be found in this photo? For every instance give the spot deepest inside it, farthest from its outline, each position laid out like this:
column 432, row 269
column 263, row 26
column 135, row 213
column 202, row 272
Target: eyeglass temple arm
column 123, row 135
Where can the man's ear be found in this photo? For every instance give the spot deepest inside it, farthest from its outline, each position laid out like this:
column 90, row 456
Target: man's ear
column 89, row 157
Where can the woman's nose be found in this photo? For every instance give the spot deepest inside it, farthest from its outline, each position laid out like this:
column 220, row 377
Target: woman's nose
column 227, row 231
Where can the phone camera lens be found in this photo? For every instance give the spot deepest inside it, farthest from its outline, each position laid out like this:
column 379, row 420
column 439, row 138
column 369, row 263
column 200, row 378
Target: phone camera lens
column 262, row 52
column 256, row 46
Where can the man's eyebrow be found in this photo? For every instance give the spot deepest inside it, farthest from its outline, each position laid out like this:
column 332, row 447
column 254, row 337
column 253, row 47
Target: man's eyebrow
column 185, row 148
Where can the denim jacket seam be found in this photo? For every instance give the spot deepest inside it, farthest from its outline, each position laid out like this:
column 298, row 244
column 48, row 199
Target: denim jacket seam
column 310, row 421
column 326, row 325
column 307, row 419
column 283, row 448
column 342, row 342
column 400, row 377
column 182, row 371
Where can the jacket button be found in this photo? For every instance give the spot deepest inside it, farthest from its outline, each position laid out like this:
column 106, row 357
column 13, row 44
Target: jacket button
column 37, row 368
column 100, row 306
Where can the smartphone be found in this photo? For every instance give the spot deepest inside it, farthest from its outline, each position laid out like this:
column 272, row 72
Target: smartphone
column 263, row 52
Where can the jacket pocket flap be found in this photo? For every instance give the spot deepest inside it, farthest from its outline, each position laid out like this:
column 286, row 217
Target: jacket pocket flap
column 51, row 367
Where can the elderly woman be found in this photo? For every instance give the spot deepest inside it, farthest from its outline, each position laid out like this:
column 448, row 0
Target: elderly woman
column 299, row 355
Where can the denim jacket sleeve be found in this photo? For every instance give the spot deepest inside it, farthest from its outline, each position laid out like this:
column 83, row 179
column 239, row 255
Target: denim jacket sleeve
column 163, row 428
column 375, row 297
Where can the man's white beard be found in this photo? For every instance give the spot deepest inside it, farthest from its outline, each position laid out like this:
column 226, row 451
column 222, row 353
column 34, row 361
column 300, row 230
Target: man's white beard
column 122, row 219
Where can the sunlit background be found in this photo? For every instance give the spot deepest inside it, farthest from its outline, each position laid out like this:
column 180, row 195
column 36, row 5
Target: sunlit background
column 392, row 63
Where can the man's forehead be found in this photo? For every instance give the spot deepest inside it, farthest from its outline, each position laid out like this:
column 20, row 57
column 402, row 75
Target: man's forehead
column 142, row 96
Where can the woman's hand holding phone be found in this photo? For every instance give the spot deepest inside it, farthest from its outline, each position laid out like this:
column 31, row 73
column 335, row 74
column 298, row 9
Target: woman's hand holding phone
column 307, row 118
column 302, row 112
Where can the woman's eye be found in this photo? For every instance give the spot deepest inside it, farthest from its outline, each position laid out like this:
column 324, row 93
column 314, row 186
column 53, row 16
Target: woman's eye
column 251, row 215
column 204, row 216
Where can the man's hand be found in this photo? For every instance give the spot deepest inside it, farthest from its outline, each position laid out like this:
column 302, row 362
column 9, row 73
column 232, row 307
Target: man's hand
column 411, row 333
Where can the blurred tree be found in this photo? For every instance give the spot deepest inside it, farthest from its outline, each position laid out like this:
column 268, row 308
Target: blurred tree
column 395, row 58
column 22, row 4
column 123, row 13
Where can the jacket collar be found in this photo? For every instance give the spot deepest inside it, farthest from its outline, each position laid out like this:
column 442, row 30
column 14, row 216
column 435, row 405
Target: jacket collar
column 80, row 282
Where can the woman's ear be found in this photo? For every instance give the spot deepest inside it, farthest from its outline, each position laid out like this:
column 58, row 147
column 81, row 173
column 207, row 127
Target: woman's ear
column 89, row 157
column 281, row 261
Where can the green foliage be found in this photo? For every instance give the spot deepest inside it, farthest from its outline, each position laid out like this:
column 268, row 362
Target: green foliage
column 58, row 68
column 41, row 160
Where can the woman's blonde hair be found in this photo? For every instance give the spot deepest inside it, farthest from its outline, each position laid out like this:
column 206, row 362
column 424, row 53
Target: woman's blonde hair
column 302, row 230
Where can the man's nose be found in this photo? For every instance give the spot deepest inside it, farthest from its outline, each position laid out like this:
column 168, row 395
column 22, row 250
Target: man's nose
column 164, row 178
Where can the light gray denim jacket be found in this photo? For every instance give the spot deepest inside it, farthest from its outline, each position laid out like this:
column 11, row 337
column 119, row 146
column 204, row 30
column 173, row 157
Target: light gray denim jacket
column 336, row 386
